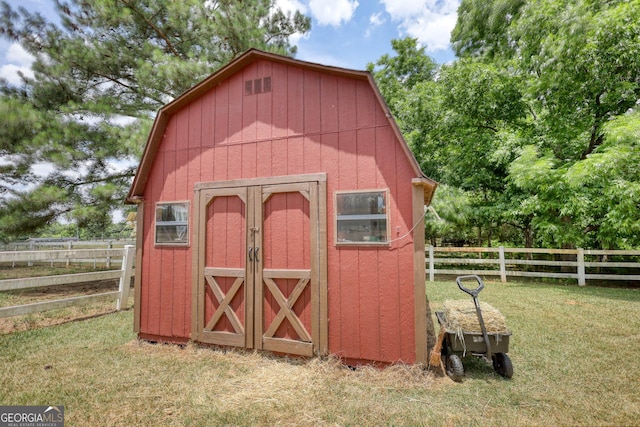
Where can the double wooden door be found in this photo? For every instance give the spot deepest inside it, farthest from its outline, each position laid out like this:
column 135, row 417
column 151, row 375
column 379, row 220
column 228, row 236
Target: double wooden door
column 259, row 279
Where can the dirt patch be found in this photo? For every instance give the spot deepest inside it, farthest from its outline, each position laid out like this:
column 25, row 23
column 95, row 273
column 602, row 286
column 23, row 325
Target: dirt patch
column 54, row 317
column 49, row 293
column 58, row 316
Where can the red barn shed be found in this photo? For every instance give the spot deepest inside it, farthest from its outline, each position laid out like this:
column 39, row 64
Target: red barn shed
column 279, row 208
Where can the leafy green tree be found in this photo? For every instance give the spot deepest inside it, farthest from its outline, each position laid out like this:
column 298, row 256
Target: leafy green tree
column 407, row 80
column 482, row 108
column 610, row 177
column 57, row 230
column 482, row 27
column 397, row 75
column 583, row 74
column 463, row 126
column 533, row 123
column 583, row 68
column 101, row 71
column 483, row 127
column 576, row 64
column 450, row 216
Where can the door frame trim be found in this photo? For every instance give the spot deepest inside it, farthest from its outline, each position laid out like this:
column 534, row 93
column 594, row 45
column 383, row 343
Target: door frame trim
column 269, row 180
column 320, row 326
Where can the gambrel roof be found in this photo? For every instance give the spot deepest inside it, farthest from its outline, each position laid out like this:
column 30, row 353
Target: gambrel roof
column 235, row 66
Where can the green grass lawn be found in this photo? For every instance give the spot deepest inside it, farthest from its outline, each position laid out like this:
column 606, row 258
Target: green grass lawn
column 574, row 350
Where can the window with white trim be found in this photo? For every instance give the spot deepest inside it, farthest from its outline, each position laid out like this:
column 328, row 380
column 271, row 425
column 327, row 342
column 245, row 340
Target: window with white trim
column 172, row 223
column 362, row 217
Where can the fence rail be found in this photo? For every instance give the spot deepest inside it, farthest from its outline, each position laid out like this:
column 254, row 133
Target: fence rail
column 504, row 262
column 124, row 274
column 36, row 244
column 48, row 245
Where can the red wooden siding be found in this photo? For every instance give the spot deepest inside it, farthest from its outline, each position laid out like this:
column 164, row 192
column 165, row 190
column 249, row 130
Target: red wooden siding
column 309, row 122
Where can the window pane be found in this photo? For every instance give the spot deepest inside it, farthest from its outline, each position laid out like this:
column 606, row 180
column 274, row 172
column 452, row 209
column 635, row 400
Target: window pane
column 361, row 203
column 361, row 217
column 172, row 223
column 362, row 231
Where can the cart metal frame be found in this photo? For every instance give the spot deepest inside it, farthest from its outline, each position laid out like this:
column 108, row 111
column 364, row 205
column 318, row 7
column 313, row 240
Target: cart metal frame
column 493, row 347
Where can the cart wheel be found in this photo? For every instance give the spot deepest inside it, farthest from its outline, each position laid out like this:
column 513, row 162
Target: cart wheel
column 502, row 365
column 454, row 367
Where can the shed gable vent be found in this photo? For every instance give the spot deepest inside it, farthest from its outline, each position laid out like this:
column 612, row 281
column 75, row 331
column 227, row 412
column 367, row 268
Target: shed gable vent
column 252, row 87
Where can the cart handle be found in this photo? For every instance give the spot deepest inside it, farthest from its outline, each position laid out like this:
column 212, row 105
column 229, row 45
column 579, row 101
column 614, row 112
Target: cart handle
column 473, row 292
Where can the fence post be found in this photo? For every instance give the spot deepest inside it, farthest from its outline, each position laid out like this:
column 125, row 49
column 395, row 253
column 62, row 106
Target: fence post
column 581, row 271
column 432, row 271
column 109, row 246
column 69, row 246
column 503, row 267
column 125, row 277
column 30, row 263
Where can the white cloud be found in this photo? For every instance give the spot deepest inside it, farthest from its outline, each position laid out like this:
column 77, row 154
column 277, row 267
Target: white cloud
column 118, row 166
column 375, row 20
column 333, row 12
column 430, row 21
column 403, row 9
column 17, row 61
column 292, row 6
column 42, row 169
column 10, row 73
column 17, row 55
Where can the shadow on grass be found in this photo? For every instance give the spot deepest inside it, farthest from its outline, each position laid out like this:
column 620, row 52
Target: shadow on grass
column 47, row 322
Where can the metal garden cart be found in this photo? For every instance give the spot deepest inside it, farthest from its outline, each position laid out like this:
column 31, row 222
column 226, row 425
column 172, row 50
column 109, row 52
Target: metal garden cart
column 491, row 346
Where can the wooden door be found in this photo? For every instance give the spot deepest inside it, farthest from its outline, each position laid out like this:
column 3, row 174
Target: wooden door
column 261, row 265
column 286, row 281
column 225, row 299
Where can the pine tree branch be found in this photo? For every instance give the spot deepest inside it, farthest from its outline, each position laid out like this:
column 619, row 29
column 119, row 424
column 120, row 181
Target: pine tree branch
column 131, row 88
column 159, row 32
column 66, row 183
column 104, row 76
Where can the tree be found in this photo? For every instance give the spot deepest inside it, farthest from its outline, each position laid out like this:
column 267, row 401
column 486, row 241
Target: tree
column 610, row 179
column 407, row 80
column 398, row 75
column 483, row 127
column 463, row 127
column 583, row 73
column 599, row 196
column 576, row 64
column 482, row 27
column 450, row 216
column 532, row 124
column 100, row 74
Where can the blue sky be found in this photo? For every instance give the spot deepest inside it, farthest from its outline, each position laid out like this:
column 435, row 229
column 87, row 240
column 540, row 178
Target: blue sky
column 352, row 33
column 344, row 33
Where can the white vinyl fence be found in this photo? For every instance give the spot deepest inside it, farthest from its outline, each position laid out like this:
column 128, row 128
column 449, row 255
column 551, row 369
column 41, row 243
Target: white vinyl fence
column 579, row 264
column 123, row 274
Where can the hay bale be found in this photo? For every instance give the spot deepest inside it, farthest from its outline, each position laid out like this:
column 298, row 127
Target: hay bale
column 461, row 317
